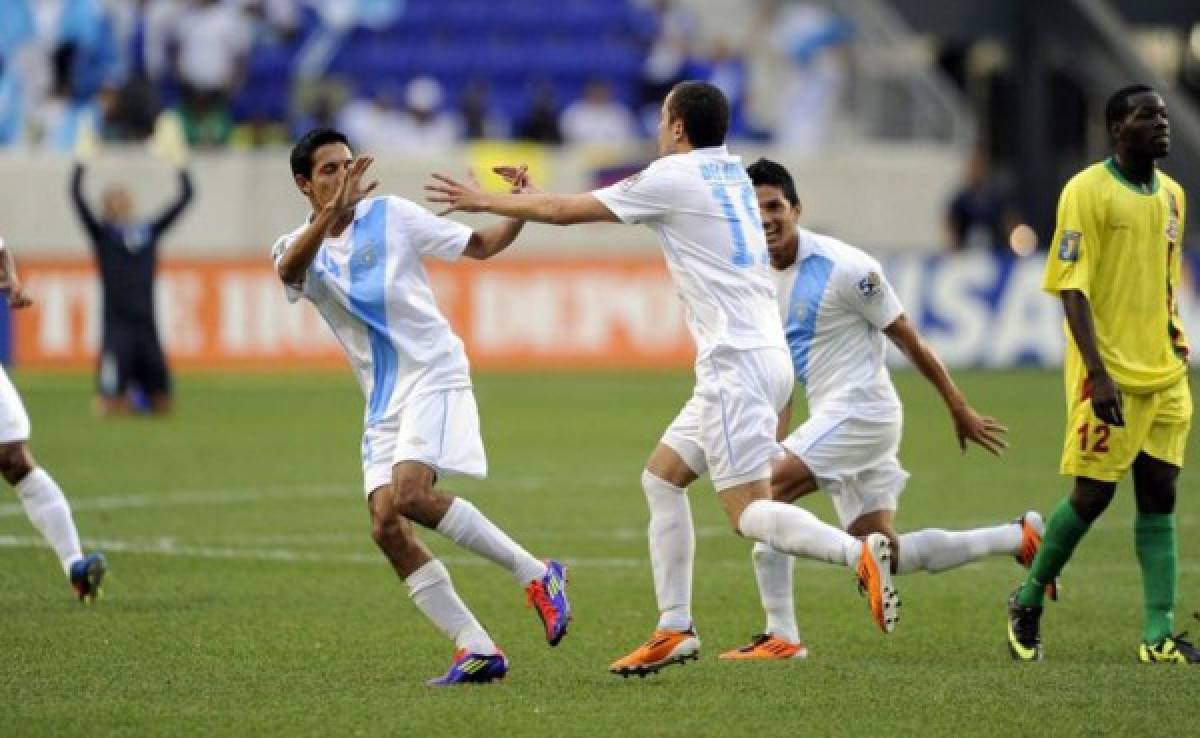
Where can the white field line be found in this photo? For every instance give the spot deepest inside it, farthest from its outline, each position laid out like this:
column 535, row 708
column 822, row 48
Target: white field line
column 170, row 547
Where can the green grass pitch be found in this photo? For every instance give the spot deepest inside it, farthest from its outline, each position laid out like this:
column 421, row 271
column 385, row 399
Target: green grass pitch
column 247, row 599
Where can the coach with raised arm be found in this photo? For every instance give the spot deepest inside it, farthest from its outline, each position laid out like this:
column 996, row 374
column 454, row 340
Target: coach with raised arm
column 131, row 373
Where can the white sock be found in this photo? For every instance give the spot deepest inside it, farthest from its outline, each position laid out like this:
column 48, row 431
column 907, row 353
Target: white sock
column 794, row 530
column 466, row 526
column 433, row 594
column 672, row 548
column 773, row 570
column 935, row 550
column 49, row 512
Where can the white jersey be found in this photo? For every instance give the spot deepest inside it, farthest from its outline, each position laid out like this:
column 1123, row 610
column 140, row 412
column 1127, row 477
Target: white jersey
column 703, row 208
column 835, row 303
column 371, row 288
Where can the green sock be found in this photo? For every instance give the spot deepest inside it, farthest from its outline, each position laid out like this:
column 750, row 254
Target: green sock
column 1154, row 536
column 1063, row 531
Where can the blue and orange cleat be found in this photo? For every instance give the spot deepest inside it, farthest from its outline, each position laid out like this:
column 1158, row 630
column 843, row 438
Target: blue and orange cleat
column 473, row 668
column 548, row 595
column 87, row 575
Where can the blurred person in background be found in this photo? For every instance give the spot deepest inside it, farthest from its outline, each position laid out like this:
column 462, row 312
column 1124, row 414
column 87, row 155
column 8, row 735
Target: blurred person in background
column 981, row 215
column 598, row 118
column 132, row 373
column 41, row 497
column 671, row 29
column 377, row 122
column 209, row 43
column 809, row 85
column 540, row 123
column 480, row 120
column 426, row 126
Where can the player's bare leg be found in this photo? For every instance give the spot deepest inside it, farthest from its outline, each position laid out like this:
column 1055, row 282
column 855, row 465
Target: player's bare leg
column 416, row 499
column 672, row 542
column 432, row 591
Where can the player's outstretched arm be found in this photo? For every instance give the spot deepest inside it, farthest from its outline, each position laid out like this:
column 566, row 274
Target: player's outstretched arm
column 540, row 208
column 1106, row 398
column 968, row 424
column 303, row 249
column 10, row 283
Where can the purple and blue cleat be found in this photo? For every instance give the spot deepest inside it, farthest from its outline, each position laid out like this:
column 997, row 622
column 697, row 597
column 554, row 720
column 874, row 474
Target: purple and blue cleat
column 473, row 668
column 87, row 575
column 548, row 595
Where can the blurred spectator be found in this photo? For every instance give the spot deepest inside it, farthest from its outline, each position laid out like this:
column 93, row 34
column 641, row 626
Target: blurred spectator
column 725, row 68
column 598, row 118
column 425, row 126
column 210, row 41
column 981, row 215
column 316, row 105
column 811, row 38
column 540, row 123
column 259, row 132
column 479, row 118
column 376, row 124
column 132, row 372
column 673, row 30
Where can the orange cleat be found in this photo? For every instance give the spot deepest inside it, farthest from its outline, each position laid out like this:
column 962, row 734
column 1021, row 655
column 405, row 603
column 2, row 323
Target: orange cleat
column 875, row 581
column 664, row 648
column 767, row 647
column 1032, row 528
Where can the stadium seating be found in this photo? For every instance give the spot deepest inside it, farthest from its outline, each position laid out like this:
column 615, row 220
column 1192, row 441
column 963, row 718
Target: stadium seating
column 464, row 41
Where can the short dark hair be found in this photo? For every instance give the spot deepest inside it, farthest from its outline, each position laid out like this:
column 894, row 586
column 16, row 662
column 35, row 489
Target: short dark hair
column 302, row 152
column 773, row 174
column 1118, row 106
column 704, row 111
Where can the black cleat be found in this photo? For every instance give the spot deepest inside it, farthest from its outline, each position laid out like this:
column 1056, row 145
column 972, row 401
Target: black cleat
column 1024, row 630
column 1170, row 650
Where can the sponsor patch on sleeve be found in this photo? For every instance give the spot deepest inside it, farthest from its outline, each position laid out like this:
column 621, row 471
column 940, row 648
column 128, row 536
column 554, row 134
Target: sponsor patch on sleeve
column 1068, row 247
column 627, row 184
column 870, row 285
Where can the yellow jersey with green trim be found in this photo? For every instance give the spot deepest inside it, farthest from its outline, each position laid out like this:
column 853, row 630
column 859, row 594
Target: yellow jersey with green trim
column 1119, row 244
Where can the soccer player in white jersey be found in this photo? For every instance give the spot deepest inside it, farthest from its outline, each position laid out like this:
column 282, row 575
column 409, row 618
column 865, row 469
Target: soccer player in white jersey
column 837, row 307
column 699, row 201
column 358, row 260
column 40, row 495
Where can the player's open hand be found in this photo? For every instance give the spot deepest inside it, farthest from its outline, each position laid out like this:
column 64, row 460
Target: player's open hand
column 517, row 178
column 1106, row 399
column 466, row 197
column 979, row 429
column 352, row 191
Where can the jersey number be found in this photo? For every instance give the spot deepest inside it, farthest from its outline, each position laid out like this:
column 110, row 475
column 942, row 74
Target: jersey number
column 737, row 220
column 1100, row 442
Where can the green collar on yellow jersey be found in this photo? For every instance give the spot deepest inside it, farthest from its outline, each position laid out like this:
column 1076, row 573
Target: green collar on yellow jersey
column 1111, row 166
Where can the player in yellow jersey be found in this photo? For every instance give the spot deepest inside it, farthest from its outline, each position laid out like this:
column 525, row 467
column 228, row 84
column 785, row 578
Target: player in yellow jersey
column 1115, row 264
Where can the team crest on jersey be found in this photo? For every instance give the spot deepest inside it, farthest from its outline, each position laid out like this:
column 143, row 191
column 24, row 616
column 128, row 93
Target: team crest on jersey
column 368, row 256
column 870, row 285
column 1068, row 247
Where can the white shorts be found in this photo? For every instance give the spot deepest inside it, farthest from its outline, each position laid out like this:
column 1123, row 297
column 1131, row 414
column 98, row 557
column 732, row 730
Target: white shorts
column 439, row 429
column 14, row 421
column 727, row 428
column 854, row 460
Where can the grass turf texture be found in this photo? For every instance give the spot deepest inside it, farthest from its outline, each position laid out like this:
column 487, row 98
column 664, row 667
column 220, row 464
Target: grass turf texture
column 248, row 599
